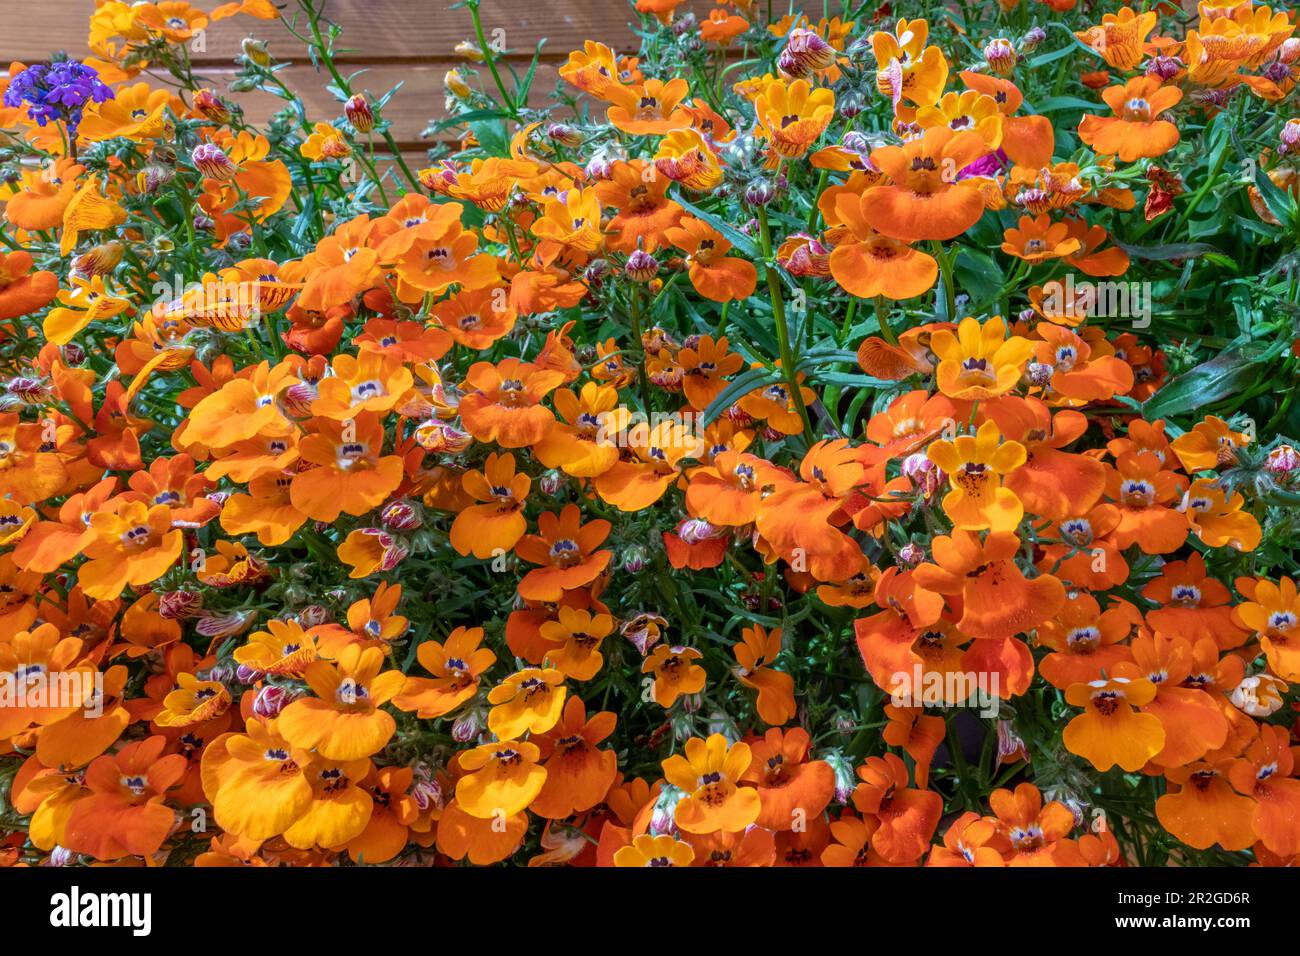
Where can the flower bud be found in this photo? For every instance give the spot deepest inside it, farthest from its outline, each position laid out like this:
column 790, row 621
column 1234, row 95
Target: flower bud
column 1000, row 55
column 911, row 554
column 1289, row 51
column 258, row 52
column 211, row 106
column 552, row 482
column 1259, row 696
column 360, row 115
column 1164, row 67
column 663, row 816
column 272, row 699
column 1290, row 136
column 441, row 437
column 179, row 605
column 62, row 856
column 247, row 674
column 760, row 192
column 1032, row 40
column 1282, row 461
column 641, row 266
column 212, row 162
column 805, row 53
column 74, row 355
column 99, row 260
column 564, row 134
column 467, row 726
column 635, row 559
column 845, row 779
column 314, row 615
column 402, row 515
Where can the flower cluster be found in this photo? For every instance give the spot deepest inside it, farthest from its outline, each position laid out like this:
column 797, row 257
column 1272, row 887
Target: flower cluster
column 804, row 443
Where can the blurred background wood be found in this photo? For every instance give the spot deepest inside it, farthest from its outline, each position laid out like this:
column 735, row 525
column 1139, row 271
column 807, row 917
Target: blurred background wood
column 384, row 42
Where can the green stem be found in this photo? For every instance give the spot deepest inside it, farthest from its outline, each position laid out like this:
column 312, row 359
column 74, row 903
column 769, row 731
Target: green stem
column 788, row 360
column 506, row 100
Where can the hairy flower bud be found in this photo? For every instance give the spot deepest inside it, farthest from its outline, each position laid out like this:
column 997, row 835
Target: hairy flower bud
column 212, row 162
column 360, row 115
column 211, row 106
column 641, row 266
column 1000, row 55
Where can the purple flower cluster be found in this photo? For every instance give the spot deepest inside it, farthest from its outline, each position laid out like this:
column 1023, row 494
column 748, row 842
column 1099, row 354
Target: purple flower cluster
column 59, row 90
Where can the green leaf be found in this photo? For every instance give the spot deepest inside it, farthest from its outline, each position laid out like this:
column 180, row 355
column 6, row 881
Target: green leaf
column 978, row 274
column 1173, row 250
column 1229, row 372
column 741, row 242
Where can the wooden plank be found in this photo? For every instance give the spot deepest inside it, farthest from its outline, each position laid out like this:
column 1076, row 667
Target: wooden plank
column 374, row 31
column 412, row 108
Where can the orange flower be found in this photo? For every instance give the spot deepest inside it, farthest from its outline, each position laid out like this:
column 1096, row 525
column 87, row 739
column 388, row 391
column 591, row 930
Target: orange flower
column 797, row 520
column 644, row 213
column 792, row 789
column 578, row 775
column 505, row 404
column 1143, row 491
column 905, row 67
column 998, row 601
column 652, row 108
column 657, row 456
column 1266, row 773
column 1110, row 731
column 675, row 673
column 21, row 290
column 343, row 721
column 867, row 263
column 125, row 813
column 715, row 275
column 975, row 465
column 1120, row 37
column 775, row 689
column 455, row 664
column 966, row 843
column 1036, row 833
column 352, row 475
column 979, row 362
column 792, row 115
column 1273, row 614
column 1205, row 810
column 685, row 156
column 1135, row 131
column 565, row 549
column 1039, row 239
column 924, row 199
column 647, row 850
column 528, row 701
column 134, row 546
column 573, row 639
column 710, row 773
column 501, row 779
column 490, row 529
column 1192, row 720
column 907, row 817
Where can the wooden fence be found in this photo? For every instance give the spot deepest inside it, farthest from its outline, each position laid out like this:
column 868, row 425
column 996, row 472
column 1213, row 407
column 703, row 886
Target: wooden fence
column 406, row 41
